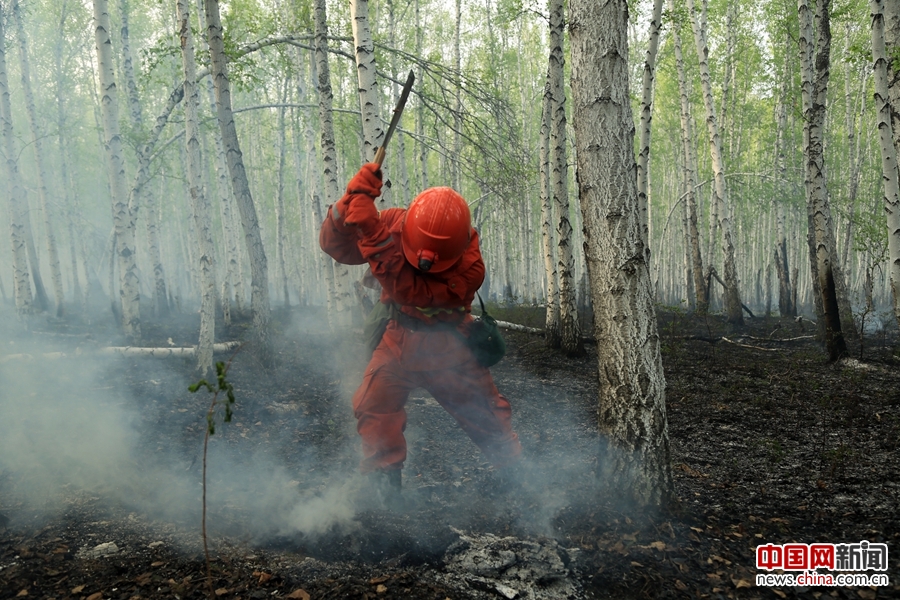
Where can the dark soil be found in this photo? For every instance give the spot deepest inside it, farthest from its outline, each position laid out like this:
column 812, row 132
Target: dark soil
column 770, row 444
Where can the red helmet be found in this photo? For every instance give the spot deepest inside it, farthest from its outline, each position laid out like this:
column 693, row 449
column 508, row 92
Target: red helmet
column 436, row 229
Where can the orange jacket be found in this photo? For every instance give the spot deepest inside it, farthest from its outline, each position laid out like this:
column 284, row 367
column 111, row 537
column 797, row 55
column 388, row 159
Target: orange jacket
column 428, row 297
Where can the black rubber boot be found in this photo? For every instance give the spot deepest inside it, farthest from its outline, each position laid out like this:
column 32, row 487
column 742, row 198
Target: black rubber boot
column 388, row 486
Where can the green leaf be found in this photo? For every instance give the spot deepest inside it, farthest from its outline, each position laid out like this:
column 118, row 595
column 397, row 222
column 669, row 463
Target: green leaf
column 196, row 386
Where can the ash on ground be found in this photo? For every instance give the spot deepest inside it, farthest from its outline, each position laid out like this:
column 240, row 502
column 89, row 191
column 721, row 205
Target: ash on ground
column 513, row 567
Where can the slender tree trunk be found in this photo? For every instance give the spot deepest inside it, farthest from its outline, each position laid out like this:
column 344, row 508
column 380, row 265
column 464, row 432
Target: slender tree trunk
column 888, row 152
column 280, row 239
column 456, row 176
column 14, row 192
column 234, row 275
column 852, row 149
column 786, row 307
column 69, row 199
column 632, row 411
column 570, row 328
column 815, row 63
column 551, row 321
column 643, row 160
column 733, row 307
column 199, row 202
column 131, row 91
column 123, row 218
column 340, row 289
column 401, row 175
column 140, row 194
column 365, row 72
column 38, row 147
column 701, row 298
column 421, row 147
column 892, row 40
column 259, row 275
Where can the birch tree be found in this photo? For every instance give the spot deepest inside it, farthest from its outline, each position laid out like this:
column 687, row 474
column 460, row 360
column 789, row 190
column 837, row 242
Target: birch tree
column 234, row 274
column 365, row 73
column 570, row 328
column 14, row 191
column 701, row 297
column 280, row 239
column 199, row 201
column 259, row 276
column 632, row 409
column 891, row 185
column 140, row 193
column 69, row 195
column 37, row 145
column 339, row 292
column 123, row 218
column 733, row 308
column 786, row 307
column 891, row 12
column 551, row 281
column 647, row 109
column 814, row 54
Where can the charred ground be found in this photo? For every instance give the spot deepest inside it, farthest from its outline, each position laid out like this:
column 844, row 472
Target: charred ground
column 769, row 444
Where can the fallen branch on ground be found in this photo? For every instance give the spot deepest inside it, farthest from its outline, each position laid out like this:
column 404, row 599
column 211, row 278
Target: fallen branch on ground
column 714, row 340
column 123, row 351
column 522, row 328
column 725, row 339
column 766, row 339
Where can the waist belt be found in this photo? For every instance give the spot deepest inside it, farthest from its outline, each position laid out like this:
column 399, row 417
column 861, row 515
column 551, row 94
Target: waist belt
column 414, row 324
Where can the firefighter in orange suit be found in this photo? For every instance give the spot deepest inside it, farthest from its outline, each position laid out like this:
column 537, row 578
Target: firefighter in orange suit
column 429, row 265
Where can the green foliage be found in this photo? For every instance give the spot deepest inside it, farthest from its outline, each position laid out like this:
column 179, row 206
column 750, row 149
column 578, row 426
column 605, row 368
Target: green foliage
column 222, row 386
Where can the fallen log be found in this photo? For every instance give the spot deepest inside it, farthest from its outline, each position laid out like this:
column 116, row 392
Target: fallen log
column 517, row 327
column 122, row 351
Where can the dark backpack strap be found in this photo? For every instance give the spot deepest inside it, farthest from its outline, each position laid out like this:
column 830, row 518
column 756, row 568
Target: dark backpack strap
column 481, row 302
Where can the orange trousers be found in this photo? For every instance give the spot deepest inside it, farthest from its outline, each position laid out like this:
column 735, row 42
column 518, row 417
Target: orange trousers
column 440, row 363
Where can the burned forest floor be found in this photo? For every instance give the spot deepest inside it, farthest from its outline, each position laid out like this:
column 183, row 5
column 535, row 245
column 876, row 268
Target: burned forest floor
column 101, row 460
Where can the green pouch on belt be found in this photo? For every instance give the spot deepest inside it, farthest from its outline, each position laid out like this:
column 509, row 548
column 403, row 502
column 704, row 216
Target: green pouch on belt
column 485, row 340
column 376, row 323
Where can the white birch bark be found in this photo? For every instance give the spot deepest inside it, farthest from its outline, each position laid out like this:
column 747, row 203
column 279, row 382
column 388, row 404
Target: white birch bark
column 421, row 147
column 340, row 295
column 786, row 306
column 570, row 329
column 38, row 148
column 891, row 186
column 456, row 172
column 131, row 91
column 632, row 409
column 140, row 194
column 701, row 298
column 814, row 54
column 199, row 202
column 123, row 218
column 259, row 275
column 69, row 195
column 14, row 192
column 551, row 319
column 891, row 13
column 365, row 73
column 853, row 146
column 647, row 110
column 398, row 157
column 733, row 309
column 234, row 274
column 280, row 239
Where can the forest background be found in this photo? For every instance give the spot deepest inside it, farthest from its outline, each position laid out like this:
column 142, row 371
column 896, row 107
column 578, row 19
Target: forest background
column 474, row 122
